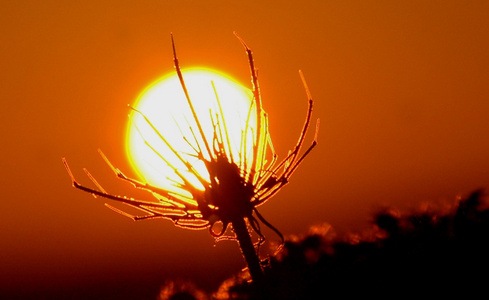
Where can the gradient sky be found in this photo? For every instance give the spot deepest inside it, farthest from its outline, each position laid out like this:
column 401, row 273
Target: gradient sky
column 401, row 87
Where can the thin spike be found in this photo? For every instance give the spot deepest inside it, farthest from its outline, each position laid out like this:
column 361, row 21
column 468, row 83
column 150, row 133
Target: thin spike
column 189, row 166
column 189, row 101
column 226, row 133
column 94, row 181
column 257, row 98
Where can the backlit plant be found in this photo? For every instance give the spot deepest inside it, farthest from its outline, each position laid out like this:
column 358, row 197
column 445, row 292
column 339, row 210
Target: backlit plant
column 233, row 184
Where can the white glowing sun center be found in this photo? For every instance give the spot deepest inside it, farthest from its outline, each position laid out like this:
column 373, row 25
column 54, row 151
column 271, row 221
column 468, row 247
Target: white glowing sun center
column 171, row 122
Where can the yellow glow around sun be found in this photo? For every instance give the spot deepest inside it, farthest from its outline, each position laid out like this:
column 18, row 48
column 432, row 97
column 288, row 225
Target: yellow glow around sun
column 167, row 109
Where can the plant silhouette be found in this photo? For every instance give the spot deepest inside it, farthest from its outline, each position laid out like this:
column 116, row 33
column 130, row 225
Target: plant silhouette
column 233, row 188
column 420, row 255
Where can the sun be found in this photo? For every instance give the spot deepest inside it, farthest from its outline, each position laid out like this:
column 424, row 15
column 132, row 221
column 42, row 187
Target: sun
column 162, row 125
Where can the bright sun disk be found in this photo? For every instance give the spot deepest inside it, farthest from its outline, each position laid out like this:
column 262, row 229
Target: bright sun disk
column 164, row 104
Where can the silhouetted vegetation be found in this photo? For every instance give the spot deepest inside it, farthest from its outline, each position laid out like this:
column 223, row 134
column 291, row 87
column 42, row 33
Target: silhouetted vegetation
column 422, row 254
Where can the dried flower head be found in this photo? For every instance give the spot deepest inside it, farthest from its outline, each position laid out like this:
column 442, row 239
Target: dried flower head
column 233, row 186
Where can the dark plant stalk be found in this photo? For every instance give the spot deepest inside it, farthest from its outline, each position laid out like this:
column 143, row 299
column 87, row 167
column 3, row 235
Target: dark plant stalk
column 249, row 253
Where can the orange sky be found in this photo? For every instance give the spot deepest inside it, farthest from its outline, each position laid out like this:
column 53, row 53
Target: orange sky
column 401, row 87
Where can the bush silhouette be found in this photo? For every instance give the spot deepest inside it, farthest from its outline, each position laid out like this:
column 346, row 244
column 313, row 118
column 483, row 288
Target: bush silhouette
column 423, row 254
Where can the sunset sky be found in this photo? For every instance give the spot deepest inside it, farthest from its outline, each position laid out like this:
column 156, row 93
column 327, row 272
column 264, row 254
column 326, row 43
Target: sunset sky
column 401, row 88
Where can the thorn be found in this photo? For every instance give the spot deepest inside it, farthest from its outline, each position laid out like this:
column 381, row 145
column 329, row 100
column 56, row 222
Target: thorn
column 242, row 41
column 120, row 212
column 304, row 83
column 67, row 167
column 317, row 131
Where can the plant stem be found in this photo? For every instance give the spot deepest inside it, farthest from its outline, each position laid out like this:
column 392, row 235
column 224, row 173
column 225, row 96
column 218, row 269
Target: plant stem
column 249, row 253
